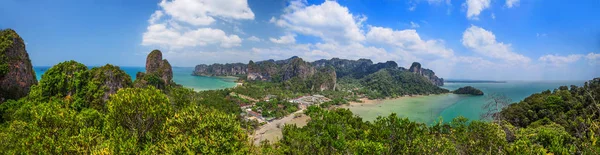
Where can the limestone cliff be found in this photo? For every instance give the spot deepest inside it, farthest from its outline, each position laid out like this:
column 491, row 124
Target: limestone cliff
column 232, row 69
column 344, row 67
column 16, row 72
column 297, row 68
column 354, row 68
column 159, row 72
column 325, row 79
column 429, row 74
column 263, row 70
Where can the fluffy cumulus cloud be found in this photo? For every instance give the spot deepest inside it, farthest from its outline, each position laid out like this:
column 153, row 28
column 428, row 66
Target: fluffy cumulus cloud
column 408, row 40
column 329, row 21
column 196, row 31
column 203, row 12
column 186, row 23
column 557, row 60
column 475, row 7
column 512, row 3
column 286, row 39
column 163, row 35
column 484, row 43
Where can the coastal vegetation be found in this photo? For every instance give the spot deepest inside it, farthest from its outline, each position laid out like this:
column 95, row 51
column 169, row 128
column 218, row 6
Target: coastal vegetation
column 468, row 90
column 149, row 120
column 77, row 110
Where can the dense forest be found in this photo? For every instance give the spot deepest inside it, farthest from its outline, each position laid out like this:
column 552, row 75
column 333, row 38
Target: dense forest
column 66, row 113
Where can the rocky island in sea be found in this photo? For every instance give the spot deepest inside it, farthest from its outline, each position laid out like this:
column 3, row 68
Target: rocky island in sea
column 468, row 90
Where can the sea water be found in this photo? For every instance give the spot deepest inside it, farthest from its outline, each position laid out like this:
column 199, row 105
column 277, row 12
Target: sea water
column 428, row 109
column 181, row 75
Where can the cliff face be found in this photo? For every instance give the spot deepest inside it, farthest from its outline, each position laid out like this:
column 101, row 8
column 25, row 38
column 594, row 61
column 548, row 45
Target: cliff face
column 221, row 69
column 297, row 68
column 262, row 71
column 429, row 74
column 325, row 79
column 354, row 68
column 155, row 64
column 293, row 69
column 159, row 72
column 16, row 72
column 344, row 67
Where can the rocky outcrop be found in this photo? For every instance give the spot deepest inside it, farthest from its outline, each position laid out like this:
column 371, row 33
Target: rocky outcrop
column 297, row 68
column 233, row 69
column 354, row 68
column 429, row 74
column 159, row 72
column 344, row 67
column 468, row 90
column 155, row 64
column 325, row 79
column 262, row 71
column 105, row 80
column 16, row 72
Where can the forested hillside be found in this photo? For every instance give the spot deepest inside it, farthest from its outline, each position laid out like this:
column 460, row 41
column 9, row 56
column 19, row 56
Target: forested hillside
column 77, row 110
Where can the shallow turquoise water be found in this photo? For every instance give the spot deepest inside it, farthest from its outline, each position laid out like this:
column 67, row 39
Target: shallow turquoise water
column 470, row 107
column 181, row 75
column 428, row 109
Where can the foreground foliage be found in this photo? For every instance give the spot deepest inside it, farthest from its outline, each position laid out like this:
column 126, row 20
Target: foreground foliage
column 58, row 117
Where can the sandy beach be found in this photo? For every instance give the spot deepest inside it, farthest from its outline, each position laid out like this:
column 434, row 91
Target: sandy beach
column 272, row 131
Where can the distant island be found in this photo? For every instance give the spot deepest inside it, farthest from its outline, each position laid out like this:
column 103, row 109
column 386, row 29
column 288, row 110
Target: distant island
column 472, row 81
column 468, row 90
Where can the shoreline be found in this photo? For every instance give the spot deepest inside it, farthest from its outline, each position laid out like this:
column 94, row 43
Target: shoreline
column 367, row 101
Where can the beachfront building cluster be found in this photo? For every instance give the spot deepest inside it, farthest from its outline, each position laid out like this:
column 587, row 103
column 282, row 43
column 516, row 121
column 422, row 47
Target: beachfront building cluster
column 250, row 111
column 306, row 101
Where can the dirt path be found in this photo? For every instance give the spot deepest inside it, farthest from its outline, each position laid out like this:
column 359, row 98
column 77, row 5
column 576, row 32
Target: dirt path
column 272, row 131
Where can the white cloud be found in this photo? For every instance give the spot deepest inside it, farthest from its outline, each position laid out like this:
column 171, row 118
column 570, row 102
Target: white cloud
column 202, row 12
column 512, row 3
column 493, row 16
column 155, row 16
column 183, row 23
column 408, row 41
column 164, row 35
column 474, row 7
column 593, row 58
column 484, row 42
column 414, row 25
column 556, row 60
column 254, row 38
column 287, row 39
column 330, row 21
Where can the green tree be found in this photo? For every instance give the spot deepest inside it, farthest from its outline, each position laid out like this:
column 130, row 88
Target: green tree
column 136, row 115
column 198, row 130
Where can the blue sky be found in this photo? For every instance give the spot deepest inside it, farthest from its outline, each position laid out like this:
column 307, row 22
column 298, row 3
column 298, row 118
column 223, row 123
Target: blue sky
column 466, row 39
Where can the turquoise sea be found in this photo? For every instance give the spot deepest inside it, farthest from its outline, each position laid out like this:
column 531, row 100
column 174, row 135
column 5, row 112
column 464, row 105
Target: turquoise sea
column 181, row 75
column 427, row 109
